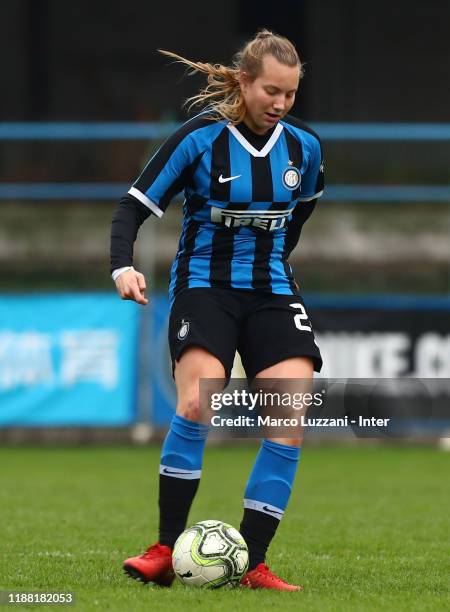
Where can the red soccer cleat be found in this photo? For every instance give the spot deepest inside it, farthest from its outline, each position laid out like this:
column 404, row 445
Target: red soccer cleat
column 155, row 565
column 262, row 578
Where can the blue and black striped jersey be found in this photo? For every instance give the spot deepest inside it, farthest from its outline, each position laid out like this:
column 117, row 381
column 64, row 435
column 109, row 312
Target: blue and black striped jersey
column 246, row 199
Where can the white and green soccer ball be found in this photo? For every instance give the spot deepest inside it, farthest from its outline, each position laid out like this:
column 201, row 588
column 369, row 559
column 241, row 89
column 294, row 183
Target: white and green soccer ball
column 210, row 554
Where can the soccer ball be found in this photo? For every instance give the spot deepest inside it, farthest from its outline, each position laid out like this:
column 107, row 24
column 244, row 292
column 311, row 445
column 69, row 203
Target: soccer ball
column 210, row 554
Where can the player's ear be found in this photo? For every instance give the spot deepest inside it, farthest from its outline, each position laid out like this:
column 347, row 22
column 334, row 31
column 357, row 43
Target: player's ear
column 244, row 80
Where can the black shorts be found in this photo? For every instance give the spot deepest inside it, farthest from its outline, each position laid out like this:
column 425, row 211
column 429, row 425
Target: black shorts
column 264, row 328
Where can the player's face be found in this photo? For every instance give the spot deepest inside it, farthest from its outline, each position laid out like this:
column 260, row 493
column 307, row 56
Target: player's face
column 271, row 95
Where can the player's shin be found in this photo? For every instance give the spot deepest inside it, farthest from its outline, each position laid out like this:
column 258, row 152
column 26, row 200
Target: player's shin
column 266, row 496
column 180, row 471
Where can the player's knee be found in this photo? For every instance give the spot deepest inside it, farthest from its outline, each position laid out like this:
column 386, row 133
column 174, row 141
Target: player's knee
column 189, row 408
column 296, row 442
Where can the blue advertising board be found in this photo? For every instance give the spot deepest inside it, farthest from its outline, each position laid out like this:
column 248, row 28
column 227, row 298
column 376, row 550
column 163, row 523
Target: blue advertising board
column 67, row 360
column 72, row 359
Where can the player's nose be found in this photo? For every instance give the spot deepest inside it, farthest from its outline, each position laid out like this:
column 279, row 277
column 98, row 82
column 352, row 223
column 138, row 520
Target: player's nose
column 279, row 104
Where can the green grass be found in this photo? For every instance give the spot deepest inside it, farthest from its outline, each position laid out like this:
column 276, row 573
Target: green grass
column 366, row 528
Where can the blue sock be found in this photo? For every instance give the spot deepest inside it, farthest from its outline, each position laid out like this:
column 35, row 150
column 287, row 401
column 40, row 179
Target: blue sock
column 266, row 496
column 182, row 451
column 179, row 475
column 270, row 483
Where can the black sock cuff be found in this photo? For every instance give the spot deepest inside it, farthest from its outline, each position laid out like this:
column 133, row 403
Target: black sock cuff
column 175, row 500
column 257, row 529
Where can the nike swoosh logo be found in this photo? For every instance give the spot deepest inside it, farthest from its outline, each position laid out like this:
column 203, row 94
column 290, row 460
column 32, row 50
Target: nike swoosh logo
column 229, row 178
column 166, row 471
column 271, row 510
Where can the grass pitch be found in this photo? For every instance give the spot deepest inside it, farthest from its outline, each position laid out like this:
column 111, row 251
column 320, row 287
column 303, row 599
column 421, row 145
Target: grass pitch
column 366, row 528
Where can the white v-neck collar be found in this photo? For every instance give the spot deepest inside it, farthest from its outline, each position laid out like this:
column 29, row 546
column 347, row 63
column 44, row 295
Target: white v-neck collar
column 249, row 147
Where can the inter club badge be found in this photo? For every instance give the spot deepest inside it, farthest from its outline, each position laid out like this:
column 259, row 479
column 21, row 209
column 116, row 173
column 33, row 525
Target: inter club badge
column 291, row 177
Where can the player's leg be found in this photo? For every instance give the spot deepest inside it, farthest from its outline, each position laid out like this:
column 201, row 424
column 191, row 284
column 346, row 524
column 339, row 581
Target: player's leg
column 198, row 327
column 273, row 334
column 180, row 466
column 182, row 451
column 269, row 486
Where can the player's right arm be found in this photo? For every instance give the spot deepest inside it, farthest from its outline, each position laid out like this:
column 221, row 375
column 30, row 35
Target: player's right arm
column 165, row 175
column 128, row 217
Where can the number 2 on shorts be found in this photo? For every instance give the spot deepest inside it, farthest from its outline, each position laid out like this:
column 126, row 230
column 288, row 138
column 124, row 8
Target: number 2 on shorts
column 299, row 317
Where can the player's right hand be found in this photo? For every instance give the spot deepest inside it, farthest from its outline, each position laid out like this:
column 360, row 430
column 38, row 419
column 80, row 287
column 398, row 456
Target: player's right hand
column 131, row 286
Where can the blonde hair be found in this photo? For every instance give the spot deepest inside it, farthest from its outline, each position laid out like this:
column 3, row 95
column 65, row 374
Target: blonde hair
column 222, row 95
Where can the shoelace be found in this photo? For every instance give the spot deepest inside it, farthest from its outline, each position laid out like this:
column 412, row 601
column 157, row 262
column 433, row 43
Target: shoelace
column 266, row 571
column 153, row 551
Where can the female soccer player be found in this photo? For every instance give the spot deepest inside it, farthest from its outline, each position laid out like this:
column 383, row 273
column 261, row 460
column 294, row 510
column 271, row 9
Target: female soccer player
column 251, row 175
